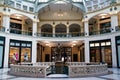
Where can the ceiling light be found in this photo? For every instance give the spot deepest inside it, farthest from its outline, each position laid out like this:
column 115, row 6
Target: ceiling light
column 47, row 44
column 102, row 14
column 74, row 41
column 73, row 44
column 60, row 13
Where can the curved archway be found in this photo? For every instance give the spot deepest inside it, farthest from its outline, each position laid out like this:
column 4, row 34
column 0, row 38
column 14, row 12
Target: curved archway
column 60, row 30
column 100, row 24
column 75, row 30
column 20, row 24
column 46, row 30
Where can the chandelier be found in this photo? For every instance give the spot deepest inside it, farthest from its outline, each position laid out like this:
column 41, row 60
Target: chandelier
column 60, row 13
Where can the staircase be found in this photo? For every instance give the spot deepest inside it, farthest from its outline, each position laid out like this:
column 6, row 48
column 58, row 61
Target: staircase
column 58, row 70
column 57, row 76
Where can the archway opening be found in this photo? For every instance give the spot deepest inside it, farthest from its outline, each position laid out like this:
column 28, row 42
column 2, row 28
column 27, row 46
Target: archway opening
column 20, row 24
column 60, row 30
column 46, row 30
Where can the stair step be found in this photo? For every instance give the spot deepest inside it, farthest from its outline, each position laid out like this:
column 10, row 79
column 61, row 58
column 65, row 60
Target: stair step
column 57, row 76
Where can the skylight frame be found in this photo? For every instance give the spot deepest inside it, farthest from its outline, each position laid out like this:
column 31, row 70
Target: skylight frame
column 43, row 1
column 77, row 0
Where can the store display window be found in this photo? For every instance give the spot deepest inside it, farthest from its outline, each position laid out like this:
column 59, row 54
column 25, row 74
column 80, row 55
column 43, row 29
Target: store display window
column 20, row 51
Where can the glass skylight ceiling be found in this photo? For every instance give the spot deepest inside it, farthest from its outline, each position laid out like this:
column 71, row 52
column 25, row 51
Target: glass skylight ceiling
column 77, row 0
column 43, row 0
column 57, row 0
column 31, row 0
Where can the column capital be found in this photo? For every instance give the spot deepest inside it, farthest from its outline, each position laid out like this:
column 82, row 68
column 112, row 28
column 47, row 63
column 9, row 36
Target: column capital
column 35, row 20
column 85, row 20
column 6, row 14
column 113, row 13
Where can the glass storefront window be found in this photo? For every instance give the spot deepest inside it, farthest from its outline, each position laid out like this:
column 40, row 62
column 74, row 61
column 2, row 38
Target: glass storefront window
column 118, row 41
column 97, row 44
column 25, row 55
column 1, row 42
column 92, row 45
column 1, row 55
column 14, row 55
column 108, row 43
column 103, row 44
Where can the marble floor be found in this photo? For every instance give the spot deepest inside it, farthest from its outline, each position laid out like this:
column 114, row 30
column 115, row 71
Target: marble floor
column 114, row 76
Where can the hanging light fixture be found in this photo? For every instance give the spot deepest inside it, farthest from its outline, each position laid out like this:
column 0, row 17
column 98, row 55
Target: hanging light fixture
column 60, row 13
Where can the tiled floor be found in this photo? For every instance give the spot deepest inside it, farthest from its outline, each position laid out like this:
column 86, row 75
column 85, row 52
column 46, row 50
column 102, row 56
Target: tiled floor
column 114, row 76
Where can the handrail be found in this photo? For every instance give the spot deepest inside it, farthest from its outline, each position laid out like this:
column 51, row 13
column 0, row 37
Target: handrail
column 66, row 35
column 2, row 29
column 18, row 31
column 102, row 31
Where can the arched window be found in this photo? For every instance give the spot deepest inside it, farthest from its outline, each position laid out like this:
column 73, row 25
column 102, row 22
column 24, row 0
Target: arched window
column 60, row 30
column 75, row 30
column 46, row 30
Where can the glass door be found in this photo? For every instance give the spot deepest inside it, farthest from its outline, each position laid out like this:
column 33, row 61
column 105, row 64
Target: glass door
column 107, row 55
column 1, row 56
column 95, row 55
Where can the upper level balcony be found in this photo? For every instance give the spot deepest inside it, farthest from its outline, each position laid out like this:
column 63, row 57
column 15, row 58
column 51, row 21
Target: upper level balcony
column 60, row 35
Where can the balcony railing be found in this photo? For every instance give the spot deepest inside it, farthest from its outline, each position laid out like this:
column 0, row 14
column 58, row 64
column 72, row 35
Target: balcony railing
column 17, row 31
column 108, row 30
column 117, row 28
column 2, row 29
column 70, row 34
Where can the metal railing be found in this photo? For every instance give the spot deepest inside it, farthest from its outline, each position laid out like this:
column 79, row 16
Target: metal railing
column 17, row 31
column 70, row 34
column 2, row 29
column 103, row 31
column 117, row 28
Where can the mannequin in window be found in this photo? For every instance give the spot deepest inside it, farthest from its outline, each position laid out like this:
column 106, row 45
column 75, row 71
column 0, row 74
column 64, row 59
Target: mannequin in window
column 17, row 57
column 14, row 59
column 26, row 56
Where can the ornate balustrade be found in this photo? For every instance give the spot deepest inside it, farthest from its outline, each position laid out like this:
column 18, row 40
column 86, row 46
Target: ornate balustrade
column 42, row 69
column 87, row 70
column 27, row 71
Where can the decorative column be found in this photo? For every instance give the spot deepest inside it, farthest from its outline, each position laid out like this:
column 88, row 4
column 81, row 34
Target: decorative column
column 114, row 56
column 34, row 51
column 53, row 31
column 114, row 21
column 6, row 22
column 86, row 28
column 6, row 53
column 87, row 51
column 34, row 32
column 67, row 30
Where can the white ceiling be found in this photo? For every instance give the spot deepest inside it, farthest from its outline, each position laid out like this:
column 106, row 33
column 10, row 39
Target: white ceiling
column 51, row 11
column 62, row 43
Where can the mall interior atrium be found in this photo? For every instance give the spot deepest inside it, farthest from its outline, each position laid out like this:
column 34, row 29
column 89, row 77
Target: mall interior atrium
column 57, row 32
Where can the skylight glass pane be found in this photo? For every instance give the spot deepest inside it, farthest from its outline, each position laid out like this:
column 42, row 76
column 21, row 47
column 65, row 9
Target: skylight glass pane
column 43, row 0
column 31, row 0
column 77, row 0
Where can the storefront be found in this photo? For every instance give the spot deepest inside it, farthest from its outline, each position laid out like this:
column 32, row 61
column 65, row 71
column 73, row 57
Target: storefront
column 20, row 51
column 118, row 50
column 100, row 51
column 2, row 44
